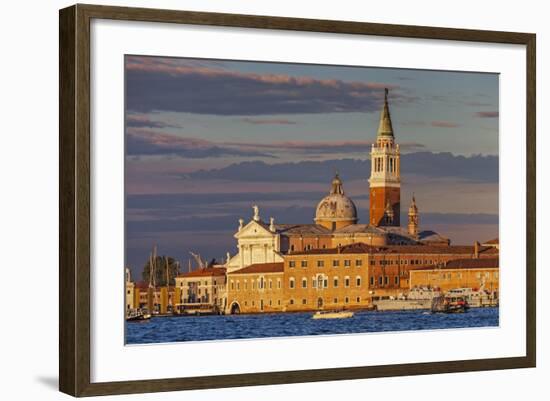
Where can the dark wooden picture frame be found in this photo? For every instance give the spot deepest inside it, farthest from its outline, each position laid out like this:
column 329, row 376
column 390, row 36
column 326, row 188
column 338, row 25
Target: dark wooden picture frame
column 74, row 202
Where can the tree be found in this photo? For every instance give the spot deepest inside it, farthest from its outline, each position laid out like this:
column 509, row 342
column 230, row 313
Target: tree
column 162, row 263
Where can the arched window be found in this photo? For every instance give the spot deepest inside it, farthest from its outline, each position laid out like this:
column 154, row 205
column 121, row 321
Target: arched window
column 291, row 283
column 304, row 282
column 358, row 281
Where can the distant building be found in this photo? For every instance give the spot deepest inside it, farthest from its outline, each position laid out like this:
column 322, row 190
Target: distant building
column 130, row 296
column 477, row 274
column 203, row 286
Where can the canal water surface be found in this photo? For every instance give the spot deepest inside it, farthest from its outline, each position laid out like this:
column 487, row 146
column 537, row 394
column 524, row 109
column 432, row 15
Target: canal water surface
column 198, row 328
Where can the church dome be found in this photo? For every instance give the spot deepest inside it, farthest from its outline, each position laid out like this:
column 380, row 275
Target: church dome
column 336, row 210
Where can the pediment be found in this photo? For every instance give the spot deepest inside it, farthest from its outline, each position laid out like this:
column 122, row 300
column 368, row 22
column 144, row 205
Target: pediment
column 254, row 229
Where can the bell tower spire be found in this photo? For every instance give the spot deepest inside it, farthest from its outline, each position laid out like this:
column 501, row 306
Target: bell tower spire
column 413, row 219
column 385, row 179
column 385, row 128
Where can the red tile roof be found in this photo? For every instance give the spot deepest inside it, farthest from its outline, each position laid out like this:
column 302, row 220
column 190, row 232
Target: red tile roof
column 482, row 263
column 361, row 247
column 493, row 241
column 207, row 272
column 261, row 268
column 471, row 263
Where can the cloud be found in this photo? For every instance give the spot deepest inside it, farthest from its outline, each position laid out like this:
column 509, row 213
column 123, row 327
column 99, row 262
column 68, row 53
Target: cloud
column 146, row 142
column 258, row 121
column 487, row 114
column 444, row 124
column 143, row 121
column 474, row 168
column 413, row 123
column 318, row 147
column 154, row 83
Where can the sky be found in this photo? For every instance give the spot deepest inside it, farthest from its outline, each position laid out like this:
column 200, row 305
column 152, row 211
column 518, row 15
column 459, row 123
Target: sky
column 207, row 139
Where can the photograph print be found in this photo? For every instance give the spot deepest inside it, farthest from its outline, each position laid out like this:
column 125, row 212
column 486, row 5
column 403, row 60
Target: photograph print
column 268, row 199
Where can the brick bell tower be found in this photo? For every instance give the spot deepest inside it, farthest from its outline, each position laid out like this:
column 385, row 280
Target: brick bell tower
column 385, row 181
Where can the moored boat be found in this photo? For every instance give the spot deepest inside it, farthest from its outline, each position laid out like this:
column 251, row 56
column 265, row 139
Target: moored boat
column 332, row 315
column 134, row 315
column 449, row 304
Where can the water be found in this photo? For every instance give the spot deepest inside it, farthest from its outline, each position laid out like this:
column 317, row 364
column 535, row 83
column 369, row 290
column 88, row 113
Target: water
column 198, row 328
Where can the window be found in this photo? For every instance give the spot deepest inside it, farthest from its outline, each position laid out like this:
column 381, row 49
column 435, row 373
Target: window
column 358, row 262
column 325, row 283
column 279, row 283
column 373, row 262
column 304, row 301
column 372, row 281
column 335, row 263
column 358, row 300
column 313, row 283
column 380, row 280
column 320, row 263
column 292, row 263
column 291, row 301
column 270, row 284
column 304, row 282
column 358, row 281
column 346, row 282
column 335, row 283
column 238, row 285
column 304, row 263
column 270, row 302
column 347, row 263
column 245, row 285
column 386, row 280
column 291, row 283
column 261, row 283
column 346, row 300
column 396, row 280
column 232, row 285
column 335, row 300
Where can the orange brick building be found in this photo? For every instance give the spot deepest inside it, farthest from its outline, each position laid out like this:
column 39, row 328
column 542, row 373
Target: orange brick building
column 352, row 276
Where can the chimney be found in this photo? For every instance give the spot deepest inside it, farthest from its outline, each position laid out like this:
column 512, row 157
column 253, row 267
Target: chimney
column 476, row 250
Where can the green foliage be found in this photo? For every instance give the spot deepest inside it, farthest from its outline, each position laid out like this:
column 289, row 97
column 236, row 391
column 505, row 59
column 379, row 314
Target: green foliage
column 161, row 264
